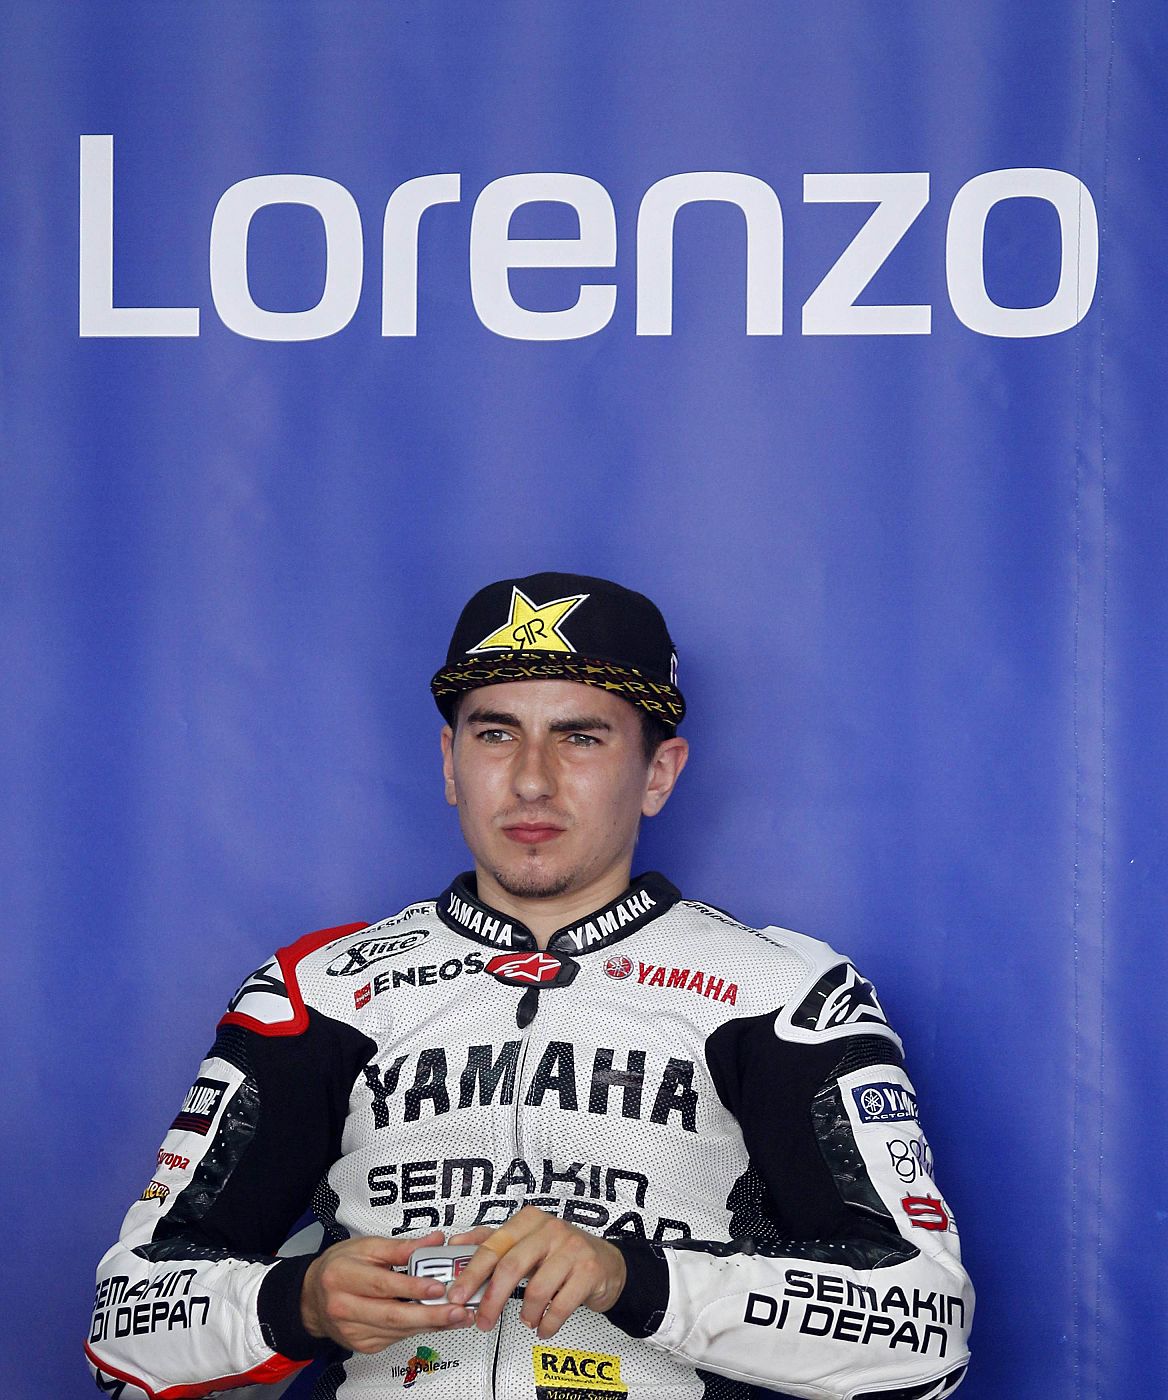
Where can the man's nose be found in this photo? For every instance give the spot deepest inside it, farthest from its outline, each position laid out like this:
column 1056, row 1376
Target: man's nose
column 534, row 775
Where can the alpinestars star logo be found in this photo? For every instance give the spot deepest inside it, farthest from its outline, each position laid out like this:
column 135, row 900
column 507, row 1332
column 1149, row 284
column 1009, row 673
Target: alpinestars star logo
column 264, row 980
column 526, row 969
column 531, row 626
column 841, row 997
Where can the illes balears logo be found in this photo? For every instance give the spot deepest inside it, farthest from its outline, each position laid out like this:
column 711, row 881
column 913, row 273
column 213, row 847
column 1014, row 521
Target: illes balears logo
column 531, row 626
column 423, row 1362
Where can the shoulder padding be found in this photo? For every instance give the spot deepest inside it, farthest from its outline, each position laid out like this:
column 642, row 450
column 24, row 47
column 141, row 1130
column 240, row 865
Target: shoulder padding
column 270, row 1001
column 833, row 1000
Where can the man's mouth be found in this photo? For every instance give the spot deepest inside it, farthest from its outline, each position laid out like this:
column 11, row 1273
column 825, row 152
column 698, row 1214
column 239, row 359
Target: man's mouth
column 532, row 833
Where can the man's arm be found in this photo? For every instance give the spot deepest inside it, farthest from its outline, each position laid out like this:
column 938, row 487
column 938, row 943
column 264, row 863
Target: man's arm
column 818, row 1297
column 843, row 1277
column 193, row 1295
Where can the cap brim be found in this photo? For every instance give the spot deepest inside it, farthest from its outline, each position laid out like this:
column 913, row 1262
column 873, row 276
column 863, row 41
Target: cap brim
column 652, row 694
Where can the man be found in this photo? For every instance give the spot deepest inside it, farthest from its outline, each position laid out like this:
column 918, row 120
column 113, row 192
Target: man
column 687, row 1151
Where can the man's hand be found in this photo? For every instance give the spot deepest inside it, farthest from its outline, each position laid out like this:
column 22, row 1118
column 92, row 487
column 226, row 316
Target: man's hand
column 352, row 1295
column 564, row 1268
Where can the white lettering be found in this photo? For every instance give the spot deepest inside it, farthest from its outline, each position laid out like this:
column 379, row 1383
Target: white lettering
column 493, row 253
column 764, row 247
column 831, row 308
column 399, row 247
column 97, row 314
column 965, row 252
column 230, row 290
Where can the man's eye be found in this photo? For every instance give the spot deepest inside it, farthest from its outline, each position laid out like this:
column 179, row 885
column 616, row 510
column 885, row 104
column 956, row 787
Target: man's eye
column 583, row 741
column 493, row 736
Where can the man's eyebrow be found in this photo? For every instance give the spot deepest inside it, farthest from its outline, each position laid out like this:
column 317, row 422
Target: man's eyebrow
column 481, row 716
column 572, row 726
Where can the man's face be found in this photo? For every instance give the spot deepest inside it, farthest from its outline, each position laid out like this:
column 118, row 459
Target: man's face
column 551, row 781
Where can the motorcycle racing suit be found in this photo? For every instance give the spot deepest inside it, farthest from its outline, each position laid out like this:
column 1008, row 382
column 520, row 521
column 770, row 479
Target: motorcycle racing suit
column 726, row 1105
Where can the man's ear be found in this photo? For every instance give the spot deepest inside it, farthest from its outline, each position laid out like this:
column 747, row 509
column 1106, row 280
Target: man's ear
column 664, row 770
column 447, row 740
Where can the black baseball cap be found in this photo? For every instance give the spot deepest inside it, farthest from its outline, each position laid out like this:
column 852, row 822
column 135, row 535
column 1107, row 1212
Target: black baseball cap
column 563, row 627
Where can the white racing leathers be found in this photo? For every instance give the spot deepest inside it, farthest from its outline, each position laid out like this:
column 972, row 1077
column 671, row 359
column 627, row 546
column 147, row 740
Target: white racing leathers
column 727, row 1105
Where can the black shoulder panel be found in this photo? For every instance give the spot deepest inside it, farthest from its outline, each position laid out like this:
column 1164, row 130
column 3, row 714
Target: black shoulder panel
column 770, row 1086
column 277, row 1137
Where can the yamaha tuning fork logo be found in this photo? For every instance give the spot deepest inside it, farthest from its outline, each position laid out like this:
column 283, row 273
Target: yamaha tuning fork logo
column 885, row 1103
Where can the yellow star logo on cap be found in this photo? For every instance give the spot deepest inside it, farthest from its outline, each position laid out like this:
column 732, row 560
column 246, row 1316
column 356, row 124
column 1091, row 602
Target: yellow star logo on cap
column 531, row 627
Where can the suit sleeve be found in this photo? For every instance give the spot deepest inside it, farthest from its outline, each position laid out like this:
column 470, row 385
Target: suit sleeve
column 192, row 1299
column 842, row 1279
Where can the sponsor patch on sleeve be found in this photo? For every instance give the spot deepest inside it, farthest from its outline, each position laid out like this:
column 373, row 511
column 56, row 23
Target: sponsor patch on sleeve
column 881, row 1101
column 200, row 1106
column 881, row 1105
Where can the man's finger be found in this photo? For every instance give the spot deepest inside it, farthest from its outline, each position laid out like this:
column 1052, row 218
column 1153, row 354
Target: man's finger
column 394, row 1252
column 574, row 1291
column 544, row 1286
column 476, row 1273
column 371, row 1278
column 498, row 1243
column 376, row 1281
column 517, row 1264
column 476, row 1236
column 399, row 1318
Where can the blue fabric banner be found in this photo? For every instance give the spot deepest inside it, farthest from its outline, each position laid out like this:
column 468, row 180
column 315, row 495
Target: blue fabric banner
column 834, row 328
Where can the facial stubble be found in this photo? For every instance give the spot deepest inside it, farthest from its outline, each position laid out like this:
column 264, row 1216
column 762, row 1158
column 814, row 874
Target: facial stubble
column 531, row 886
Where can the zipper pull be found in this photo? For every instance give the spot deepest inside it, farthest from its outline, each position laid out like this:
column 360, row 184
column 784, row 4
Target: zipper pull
column 528, row 1006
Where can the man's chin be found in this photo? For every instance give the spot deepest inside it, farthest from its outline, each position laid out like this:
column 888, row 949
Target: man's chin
column 533, row 885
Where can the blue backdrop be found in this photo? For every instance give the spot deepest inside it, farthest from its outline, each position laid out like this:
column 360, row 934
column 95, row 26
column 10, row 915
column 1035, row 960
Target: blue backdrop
column 871, row 402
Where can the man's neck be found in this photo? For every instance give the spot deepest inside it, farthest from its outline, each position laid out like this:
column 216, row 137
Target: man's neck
column 545, row 916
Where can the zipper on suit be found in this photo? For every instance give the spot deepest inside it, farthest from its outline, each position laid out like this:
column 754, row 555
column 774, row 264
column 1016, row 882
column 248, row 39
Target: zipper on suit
column 491, row 1388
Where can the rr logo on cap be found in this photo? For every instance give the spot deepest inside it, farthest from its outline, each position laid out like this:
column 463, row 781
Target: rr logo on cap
column 532, row 627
